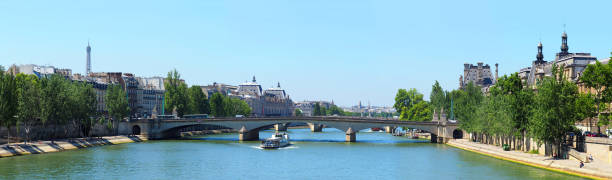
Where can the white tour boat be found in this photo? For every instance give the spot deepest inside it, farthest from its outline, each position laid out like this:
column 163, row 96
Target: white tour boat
column 277, row 140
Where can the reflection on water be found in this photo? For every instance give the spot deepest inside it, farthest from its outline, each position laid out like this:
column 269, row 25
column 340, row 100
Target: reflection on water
column 321, row 155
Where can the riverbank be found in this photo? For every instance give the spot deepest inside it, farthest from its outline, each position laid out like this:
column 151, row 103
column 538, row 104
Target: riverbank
column 40, row 147
column 593, row 170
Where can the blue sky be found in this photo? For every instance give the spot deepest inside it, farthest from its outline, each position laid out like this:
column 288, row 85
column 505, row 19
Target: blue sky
column 345, row 50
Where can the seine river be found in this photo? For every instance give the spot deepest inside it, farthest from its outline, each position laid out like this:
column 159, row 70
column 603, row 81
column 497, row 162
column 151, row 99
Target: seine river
column 321, row 155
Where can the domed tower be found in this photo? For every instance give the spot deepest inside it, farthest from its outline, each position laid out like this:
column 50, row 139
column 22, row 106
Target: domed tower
column 564, row 47
column 540, row 56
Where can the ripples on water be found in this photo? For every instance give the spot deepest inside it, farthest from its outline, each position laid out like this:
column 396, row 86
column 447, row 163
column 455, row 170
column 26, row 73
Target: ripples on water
column 321, row 155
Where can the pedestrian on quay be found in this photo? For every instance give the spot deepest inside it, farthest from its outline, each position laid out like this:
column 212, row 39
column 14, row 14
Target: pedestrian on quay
column 581, row 164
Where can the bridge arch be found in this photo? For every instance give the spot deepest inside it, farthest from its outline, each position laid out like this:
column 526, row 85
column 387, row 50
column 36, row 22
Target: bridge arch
column 136, row 130
column 457, row 134
column 175, row 131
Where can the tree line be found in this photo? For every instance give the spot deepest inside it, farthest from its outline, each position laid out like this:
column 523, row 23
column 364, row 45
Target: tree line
column 193, row 100
column 54, row 101
column 411, row 106
column 511, row 112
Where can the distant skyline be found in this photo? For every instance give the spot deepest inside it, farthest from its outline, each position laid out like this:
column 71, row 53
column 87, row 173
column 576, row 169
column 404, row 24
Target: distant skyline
column 345, row 51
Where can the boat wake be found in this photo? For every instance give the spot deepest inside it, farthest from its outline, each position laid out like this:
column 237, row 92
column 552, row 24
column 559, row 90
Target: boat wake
column 291, row 146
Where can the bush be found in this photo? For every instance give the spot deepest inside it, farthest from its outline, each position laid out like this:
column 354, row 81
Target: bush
column 506, row 147
column 534, row 152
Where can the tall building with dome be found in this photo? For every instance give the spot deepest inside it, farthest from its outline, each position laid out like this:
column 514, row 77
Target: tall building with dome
column 573, row 64
column 269, row 102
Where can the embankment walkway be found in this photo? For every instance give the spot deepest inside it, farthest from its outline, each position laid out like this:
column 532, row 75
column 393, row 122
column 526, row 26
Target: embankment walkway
column 40, row 147
column 595, row 169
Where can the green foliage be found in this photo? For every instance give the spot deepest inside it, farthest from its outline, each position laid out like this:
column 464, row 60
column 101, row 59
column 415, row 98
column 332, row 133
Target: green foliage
column 438, row 98
column 116, row 102
column 519, row 99
column 83, row 102
column 554, row 112
column 176, row 94
column 420, row 111
column 317, row 110
column 297, row 112
column 198, row 103
column 236, row 106
column 412, row 106
column 8, row 100
column 223, row 106
column 585, row 107
column 55, row 100
column 493, row 116
column 466, row 102
column 599, row 77
column 335, row 110
column 404, row 100
column 28, row 101
column 216, row 104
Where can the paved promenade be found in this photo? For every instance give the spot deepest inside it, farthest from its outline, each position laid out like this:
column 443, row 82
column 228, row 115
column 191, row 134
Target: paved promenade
column 596, row 170
column 39, row 147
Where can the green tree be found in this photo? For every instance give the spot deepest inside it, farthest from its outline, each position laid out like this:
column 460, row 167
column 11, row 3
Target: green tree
column 493, row 118
column 585, row 107
column 466, row 103
column 404, row 100
column 598, row 77
column 55, row 101
column 240, row 107
column 217, row 106
column 8, row 100
column 438, row 97
column 335, row 110
column 83, row 107
column 554, row 112
column 176, row 93
column 116, row 104
column 317, row 110
column 323, row 111
column 198, row 103
column 401, row 100
column 28, row 101
column 519, row 99
column 297, row 112
column 413, row 106
column 421, row 111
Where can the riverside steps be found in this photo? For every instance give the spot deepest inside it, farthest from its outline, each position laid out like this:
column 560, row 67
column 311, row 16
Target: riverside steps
column 40, row 147
column 249, row 127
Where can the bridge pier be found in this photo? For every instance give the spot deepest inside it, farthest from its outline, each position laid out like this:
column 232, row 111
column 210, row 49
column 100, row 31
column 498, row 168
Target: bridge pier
column 280, row 127
column 433, row 138
column 350, row 135
column 315, row 127
column 390, row 129
column 245, row 135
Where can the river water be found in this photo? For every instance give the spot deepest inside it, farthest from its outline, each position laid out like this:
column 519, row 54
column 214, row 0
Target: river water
column 321, row 155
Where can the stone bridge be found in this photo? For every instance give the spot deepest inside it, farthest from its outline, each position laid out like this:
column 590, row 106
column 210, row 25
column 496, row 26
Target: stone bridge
column 249, row 127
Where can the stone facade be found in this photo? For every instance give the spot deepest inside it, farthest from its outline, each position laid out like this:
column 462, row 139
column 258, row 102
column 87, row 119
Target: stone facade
column 271, row 102
column 573, row 64
column 479, row 74
column 150, row 96
column 224, row 89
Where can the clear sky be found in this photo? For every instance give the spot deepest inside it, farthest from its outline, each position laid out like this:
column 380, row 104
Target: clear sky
column 345, row 50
